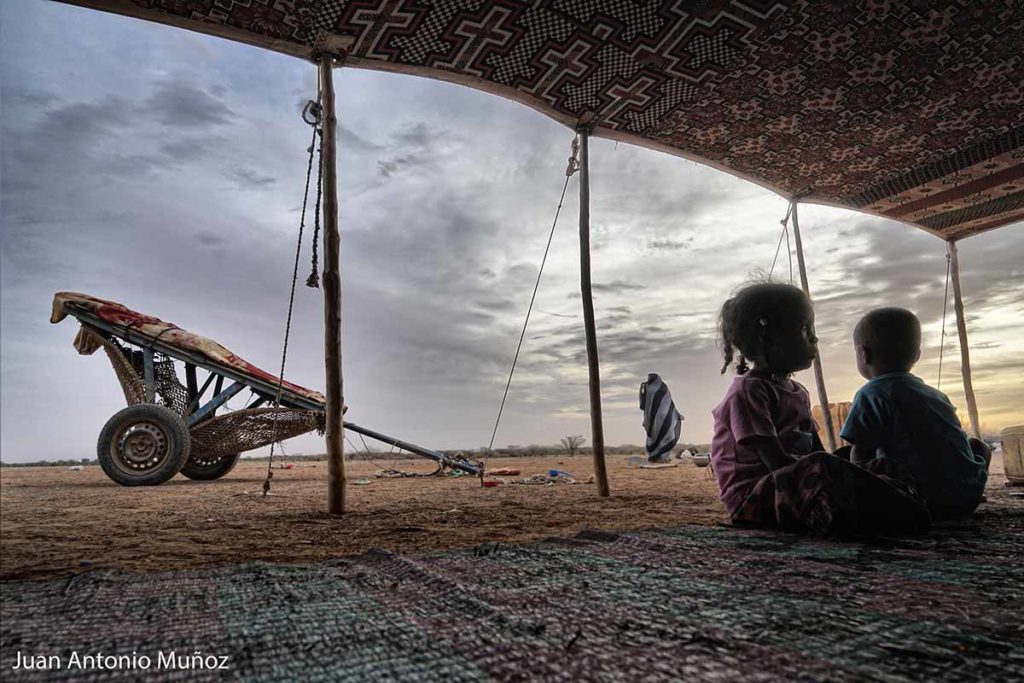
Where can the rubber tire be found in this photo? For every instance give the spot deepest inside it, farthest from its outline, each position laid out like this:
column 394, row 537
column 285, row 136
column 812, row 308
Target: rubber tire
column 194, row 470
column 180, row 444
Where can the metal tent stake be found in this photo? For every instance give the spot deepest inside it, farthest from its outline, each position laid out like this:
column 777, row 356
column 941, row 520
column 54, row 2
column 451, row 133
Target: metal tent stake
column 600, row 470
column 819, row 375
column 332, row 298
column 961, row 328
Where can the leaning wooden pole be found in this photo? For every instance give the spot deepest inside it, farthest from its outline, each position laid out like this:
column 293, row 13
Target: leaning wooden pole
column 819, row 375
column 332, row 297
column 597, row 425
column 961, row 328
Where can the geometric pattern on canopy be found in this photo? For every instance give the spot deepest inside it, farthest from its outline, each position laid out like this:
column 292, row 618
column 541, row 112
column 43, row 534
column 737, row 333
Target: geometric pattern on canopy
column 909, row 110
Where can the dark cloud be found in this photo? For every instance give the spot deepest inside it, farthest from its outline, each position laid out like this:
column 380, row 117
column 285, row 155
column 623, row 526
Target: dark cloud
column 182, row 104
column 616, row 286
column 349, row 140
column 79, row 122
column 247, row 178
column 12, row 94
column 669, row 244
column 418, row 136
column 209, row 239
column 557, row 315
column 497, row 303
column 185, row 149
column 413, row 149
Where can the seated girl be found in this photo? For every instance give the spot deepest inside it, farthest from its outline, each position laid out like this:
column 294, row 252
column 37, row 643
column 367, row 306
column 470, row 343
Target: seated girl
column 771, row 467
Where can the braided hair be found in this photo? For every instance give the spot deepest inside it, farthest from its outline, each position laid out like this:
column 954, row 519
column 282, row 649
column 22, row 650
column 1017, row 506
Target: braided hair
column 750, row 314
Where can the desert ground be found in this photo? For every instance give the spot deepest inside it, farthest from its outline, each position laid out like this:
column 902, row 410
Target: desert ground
column 54, row 521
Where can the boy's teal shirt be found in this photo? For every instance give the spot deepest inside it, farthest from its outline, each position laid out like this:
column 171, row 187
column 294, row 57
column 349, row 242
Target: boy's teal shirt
column 916, row 426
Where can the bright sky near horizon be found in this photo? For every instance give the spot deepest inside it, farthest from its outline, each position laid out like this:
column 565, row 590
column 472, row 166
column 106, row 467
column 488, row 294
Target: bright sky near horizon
column 164, row 169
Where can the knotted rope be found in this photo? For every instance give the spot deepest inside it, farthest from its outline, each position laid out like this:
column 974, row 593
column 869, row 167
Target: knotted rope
column 311, row 115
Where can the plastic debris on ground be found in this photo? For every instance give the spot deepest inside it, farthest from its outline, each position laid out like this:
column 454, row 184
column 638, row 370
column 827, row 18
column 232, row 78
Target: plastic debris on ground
column 548, row 479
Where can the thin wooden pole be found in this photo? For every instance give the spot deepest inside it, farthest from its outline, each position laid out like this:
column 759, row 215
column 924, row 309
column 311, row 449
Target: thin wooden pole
column 597, row 426
column 332, row 298
column 819, row 375
column 961, row 328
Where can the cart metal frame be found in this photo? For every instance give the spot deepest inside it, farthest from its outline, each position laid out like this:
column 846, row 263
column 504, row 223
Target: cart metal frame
column 264, row 391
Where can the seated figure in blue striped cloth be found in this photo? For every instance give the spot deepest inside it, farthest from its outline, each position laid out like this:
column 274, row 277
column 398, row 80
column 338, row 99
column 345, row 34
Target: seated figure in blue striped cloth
column 661, row 419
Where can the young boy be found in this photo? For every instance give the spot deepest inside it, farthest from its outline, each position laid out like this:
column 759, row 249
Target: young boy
column 913, row 427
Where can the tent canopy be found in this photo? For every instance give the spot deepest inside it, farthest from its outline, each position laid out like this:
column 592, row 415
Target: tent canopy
column 909, row 110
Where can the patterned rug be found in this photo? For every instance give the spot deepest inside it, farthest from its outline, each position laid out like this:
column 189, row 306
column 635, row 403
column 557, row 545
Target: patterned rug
column 695, row 603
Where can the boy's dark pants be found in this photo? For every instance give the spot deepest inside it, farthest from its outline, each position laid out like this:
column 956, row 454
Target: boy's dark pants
column 825, row 495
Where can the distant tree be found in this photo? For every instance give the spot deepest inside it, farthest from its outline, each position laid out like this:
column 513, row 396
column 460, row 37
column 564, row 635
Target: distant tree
column 572, row 444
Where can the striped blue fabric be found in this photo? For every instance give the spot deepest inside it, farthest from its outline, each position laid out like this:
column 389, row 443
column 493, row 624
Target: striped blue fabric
column 662, row 421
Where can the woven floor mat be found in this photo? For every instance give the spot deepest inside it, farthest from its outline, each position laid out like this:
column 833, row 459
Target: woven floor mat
column 700, row 603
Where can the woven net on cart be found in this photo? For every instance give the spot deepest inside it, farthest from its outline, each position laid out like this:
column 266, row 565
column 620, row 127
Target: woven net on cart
column 228, row 434
column 244, row 430
column 128, row 366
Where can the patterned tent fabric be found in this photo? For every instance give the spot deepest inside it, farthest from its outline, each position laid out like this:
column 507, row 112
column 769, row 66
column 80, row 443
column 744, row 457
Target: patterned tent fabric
column 909, row 110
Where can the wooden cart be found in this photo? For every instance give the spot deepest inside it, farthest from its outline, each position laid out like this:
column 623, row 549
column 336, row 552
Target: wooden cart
column 170, row 426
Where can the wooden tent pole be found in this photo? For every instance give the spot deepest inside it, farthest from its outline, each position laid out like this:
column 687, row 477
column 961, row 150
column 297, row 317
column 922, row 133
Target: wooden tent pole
column 597, row 426
column 332, row 297
column 961, row 328
column 819, row 375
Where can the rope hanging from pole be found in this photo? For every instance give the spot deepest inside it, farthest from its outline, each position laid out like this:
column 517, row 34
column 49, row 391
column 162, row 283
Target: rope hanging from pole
column 942, row 335
column 313, row 280
column 789, row 252
column 311, row 115
column 572, row 167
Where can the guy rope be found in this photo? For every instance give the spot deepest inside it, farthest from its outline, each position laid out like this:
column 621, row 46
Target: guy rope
column 572, row 167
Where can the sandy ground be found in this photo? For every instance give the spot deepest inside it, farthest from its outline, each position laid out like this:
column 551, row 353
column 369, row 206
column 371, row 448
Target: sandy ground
column 54, row 521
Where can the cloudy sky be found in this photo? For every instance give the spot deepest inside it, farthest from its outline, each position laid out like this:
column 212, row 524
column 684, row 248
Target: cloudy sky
column 164, row 169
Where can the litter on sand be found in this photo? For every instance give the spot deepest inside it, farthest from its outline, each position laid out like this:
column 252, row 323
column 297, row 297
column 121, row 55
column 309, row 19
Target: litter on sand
column 551, row 478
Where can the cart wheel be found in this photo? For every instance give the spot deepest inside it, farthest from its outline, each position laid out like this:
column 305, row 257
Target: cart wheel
column 143, row 445
column 204, row 467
